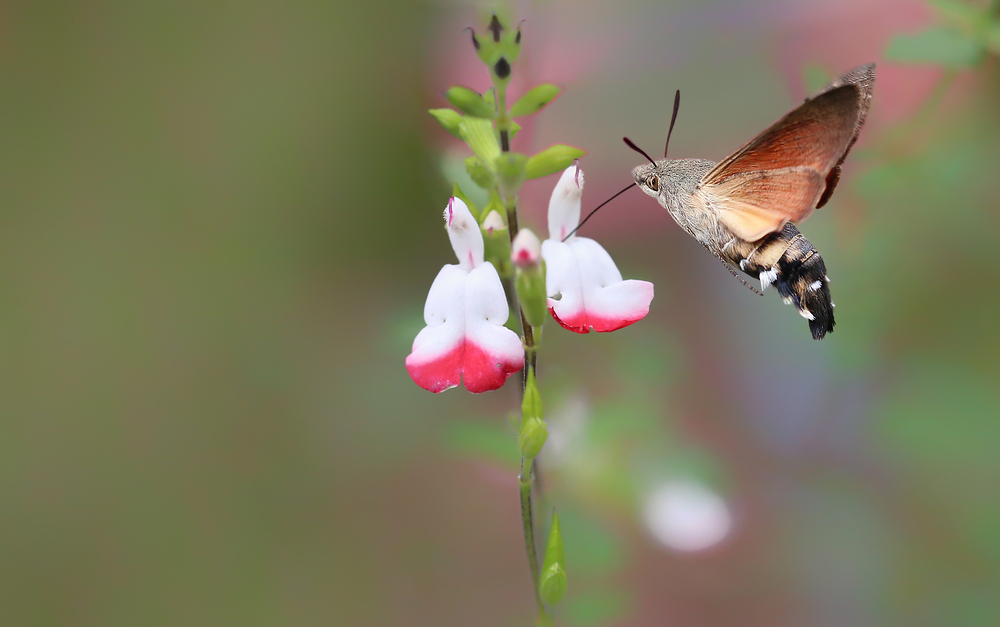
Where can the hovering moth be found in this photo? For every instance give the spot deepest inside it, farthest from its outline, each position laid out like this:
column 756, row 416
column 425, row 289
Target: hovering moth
column 744, row 209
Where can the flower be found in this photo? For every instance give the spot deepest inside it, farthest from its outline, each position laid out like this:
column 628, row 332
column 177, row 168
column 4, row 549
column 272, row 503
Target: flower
column 465, row 339
column 585, row 288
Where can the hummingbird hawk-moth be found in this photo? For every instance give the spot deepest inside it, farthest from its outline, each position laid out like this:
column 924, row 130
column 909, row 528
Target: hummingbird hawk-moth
column 744, row 209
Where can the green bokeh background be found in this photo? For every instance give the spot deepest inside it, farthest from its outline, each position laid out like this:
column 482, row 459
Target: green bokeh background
column 219, row 223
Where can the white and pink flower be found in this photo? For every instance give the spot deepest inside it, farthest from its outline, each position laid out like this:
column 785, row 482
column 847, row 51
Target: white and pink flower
column 585, row 288
column 465, row 339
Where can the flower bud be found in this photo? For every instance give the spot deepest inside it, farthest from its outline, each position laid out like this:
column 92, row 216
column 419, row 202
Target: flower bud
column 526, row 251
column 526, row 255
column 552, row 159
column 496, row 237
column 552, row 584
column 531, row 404
column 470, row 102
column 532, row 437
column 510, row 170
column 449, row 119
column 534, row 100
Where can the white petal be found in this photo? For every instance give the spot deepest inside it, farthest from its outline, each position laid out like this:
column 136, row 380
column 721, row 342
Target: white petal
column 526, row 250
column 564, row 205
column 586, row 289
column 444, row 313
column 485, row 315
column 463, row 231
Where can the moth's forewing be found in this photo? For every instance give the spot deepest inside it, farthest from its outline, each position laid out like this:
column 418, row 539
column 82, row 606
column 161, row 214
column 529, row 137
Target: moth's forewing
column 792, row 167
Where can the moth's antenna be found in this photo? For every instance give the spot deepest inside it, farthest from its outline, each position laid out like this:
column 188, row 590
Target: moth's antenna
column 638, row 150
column 673, row 118
column 595, row 210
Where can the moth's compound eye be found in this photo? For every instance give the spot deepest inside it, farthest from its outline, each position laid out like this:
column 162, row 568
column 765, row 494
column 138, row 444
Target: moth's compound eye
column 653, row 183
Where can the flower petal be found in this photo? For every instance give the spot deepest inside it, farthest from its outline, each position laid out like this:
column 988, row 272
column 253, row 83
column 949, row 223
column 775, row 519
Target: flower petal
column 564, row 205
column 586, row 290
column 463, row 231
column 433, row 364
column 465, row 338
column 493, row 352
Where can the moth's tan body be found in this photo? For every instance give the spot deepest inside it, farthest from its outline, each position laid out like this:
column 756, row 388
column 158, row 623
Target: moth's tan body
column 744, row 208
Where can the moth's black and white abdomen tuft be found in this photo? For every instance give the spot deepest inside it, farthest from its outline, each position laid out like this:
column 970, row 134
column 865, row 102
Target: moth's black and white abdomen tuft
column 789, row 262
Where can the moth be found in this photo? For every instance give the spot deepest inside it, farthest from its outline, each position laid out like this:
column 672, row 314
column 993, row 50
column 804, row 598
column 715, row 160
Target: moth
column 744, row 209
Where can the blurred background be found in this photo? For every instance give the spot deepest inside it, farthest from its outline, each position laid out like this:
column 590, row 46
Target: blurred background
column 219, row 224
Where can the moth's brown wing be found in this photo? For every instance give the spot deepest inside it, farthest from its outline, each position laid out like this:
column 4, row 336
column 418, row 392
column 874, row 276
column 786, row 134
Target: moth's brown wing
column 792, row 167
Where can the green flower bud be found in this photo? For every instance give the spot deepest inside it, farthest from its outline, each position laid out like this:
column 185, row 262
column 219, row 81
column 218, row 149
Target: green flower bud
column 470, row 102
column 457, row 192
column 496, row 239
column 552, row 584
column 449, row 119
column 532, row 437
column 481, row 137
column 510, row 170
column 479, row 174
column 534, row 100
column 531, row 405
column 551, row 160
column 514, row 128
column 526, row 255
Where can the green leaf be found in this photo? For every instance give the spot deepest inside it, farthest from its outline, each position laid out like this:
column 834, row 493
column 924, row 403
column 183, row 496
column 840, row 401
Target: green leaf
column 960, row 13
column 552, row 584
column 533, row 101
column 482, row 140
column 470, row 102
column 552, row 159
column 937, row 45
column 449, row 119
column 479, row 174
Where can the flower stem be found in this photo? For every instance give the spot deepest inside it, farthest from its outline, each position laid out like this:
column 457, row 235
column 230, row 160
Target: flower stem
column 526, row 477
column 527, row 520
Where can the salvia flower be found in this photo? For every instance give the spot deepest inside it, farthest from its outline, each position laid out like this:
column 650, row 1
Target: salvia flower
column 465, row 339
column 584, row 286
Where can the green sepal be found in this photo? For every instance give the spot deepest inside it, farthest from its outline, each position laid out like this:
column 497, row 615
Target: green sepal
column 514, row 128
column 535, row 100
column 552, row 584
column 449, row 119
column 510, row 171
column 532, row 437
column 481, row 138
column 457, row 192
column 533, row 433
column 470, row 102
column 530, row 286
column 479, row 174
column 531, row 404
column 552, row 159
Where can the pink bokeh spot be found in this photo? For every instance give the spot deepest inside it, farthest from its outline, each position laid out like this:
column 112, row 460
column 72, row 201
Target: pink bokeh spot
column 467, row 363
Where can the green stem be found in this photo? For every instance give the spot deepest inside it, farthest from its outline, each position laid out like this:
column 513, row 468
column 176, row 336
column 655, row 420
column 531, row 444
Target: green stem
column 526, row 477
column 528, row 522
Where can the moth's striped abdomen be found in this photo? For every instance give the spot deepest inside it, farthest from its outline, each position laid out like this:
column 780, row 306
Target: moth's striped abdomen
column 789, row 262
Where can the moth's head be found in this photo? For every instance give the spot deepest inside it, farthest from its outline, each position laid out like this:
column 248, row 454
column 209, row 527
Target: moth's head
column 647, row 177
